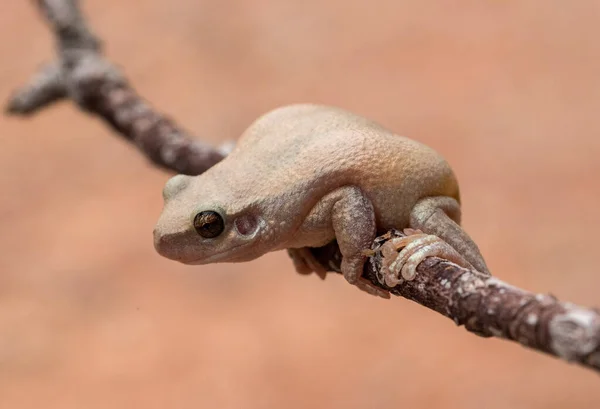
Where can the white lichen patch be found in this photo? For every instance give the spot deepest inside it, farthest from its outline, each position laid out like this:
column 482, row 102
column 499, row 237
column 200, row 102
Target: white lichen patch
column 472, row 286
column 575, row 333
column 142, row 125
column 502, row 286
column 140, row 109
column 167, row 154
column 532, row 319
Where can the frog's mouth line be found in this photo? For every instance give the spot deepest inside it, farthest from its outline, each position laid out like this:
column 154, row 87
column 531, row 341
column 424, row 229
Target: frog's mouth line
column 219, row 256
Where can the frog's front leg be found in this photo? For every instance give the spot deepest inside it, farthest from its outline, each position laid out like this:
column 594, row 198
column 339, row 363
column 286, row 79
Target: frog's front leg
column 348, row 215
column 353, row 221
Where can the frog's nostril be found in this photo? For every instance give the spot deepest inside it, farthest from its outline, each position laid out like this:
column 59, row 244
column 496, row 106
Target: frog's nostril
column 162, row 243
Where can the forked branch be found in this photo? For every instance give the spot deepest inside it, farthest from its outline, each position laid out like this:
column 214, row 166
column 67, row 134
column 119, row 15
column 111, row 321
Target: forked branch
column 82, row 74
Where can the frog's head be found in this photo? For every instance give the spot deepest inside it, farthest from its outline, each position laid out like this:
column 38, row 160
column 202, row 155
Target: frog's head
column 201, row 223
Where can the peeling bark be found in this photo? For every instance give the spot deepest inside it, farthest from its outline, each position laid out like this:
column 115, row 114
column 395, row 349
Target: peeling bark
column 484, row 305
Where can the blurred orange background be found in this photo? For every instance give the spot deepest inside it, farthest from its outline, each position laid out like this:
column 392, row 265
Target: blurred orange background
column 92, row 317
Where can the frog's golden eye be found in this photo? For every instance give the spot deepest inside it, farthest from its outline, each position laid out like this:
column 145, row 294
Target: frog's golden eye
column 209, row 224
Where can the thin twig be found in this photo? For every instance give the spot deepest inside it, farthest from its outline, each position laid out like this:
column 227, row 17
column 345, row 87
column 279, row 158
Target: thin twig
column 484, row 305
column 82, row 74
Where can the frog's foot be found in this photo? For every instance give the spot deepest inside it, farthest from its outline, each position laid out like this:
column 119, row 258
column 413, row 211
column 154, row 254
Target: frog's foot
column 365, row 285
column 352, row 268
column 305, row 262
column 404, row 254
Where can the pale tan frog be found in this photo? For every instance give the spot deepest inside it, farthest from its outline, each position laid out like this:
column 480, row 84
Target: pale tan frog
column 303, row 175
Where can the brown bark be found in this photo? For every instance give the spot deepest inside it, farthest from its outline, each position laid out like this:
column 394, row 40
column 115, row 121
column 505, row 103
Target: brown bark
column 484, row 305
column 82, row 74
column 488, row 307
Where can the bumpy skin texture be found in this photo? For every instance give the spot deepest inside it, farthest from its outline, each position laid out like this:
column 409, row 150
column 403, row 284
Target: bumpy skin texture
column 303, row 175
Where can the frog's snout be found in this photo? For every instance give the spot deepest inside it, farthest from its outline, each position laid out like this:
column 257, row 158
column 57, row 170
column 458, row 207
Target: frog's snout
column 163, row 243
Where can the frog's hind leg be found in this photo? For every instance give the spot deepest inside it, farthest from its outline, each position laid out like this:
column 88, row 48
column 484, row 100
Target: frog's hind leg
column 440, row 216
column 435, row 231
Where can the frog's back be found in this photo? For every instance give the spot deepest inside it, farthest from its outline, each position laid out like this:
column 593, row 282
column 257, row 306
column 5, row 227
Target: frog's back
column 318, row 148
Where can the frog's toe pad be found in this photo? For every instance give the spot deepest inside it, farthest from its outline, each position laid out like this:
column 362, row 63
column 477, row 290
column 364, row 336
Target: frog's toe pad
column 413, row 249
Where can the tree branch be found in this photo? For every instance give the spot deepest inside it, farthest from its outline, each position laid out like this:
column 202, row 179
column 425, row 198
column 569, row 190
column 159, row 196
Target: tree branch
column 44, row 88
column 484, row 305
column 83, row 75
column 487, row 306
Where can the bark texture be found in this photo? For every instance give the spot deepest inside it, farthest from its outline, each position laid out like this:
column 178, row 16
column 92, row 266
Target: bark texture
column 488, row 307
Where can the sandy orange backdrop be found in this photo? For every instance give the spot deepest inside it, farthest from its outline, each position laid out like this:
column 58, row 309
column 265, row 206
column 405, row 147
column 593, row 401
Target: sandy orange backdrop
column 91, row 317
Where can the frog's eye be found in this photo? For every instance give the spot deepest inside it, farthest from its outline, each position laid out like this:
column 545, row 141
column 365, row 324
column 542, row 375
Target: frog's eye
column 209, row 224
